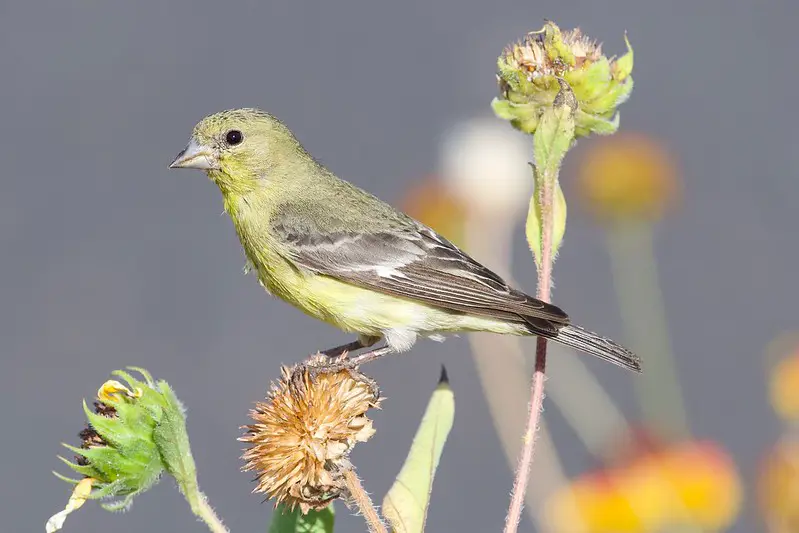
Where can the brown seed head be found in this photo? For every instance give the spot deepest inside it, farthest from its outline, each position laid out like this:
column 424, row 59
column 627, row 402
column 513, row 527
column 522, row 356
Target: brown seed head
column 303, row 433
column 89, row 436
column 534, row 55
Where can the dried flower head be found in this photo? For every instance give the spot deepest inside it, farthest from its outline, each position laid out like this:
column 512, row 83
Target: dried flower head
column 529, row 72
column 531, row 55
column 303, row 433
column 89, row 436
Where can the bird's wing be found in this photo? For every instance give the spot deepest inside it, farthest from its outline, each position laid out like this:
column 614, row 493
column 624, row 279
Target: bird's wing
column 418, row 264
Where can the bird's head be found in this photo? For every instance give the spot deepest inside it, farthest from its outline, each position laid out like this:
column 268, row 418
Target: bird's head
column 238, row 147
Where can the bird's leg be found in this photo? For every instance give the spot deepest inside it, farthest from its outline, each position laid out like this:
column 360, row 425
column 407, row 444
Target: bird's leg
column 338, row 350
column 364, row 341
column 366, row 357
column 316, row 368
column 345, row 363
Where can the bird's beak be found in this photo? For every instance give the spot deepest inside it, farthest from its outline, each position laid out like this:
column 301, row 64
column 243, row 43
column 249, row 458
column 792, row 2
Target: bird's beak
column 195, row 155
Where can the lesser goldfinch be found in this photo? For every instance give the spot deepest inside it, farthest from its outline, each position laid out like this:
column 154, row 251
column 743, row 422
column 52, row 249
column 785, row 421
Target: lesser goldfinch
column 345, row 257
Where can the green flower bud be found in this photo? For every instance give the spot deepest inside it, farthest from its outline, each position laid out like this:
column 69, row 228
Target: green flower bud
column 136, row 431
column 528, row 74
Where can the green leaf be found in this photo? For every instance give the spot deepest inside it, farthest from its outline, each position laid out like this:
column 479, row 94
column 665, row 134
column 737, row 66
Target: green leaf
column 587, row 124
column 405, row 506
column 591, row 82
column 172, row 439
column 285, row 521
column 534, row 221
column 554, row 44
column 523, row 117
column 554, row 135
column 623, row 66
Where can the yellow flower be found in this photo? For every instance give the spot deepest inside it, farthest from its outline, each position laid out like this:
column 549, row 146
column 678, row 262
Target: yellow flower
column 627, row 176
column 80, row 494
column 431, row 203
column 784, row 382
column 692, row 484
column 303, row 433
column 779, row 488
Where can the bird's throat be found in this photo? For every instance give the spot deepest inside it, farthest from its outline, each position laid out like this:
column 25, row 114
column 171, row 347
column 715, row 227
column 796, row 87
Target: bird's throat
column 231, row 186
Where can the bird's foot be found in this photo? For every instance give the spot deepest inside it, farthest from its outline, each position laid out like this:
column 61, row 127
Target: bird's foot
column 317, row 366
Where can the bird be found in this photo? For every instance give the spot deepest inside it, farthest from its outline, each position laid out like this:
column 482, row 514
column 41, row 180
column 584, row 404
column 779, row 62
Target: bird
column 343, row 256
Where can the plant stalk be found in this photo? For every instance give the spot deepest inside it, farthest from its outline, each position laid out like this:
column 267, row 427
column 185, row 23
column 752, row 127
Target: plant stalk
column 503, row 379
column 364, row 502
column 635, row 278
column 536, row 405
column 203, row 510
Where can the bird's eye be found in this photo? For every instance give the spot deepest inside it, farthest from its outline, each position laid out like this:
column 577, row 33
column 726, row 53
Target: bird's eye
column 234, row 137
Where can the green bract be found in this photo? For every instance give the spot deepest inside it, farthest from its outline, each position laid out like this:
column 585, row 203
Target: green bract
column 136, row 432
column 120, row 451
column 528, row 74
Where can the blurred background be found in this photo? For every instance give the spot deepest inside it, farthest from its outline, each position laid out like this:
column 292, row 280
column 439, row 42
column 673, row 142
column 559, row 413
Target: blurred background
column 680, row 241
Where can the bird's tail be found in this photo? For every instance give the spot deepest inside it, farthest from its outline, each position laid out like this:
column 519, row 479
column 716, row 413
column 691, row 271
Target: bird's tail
column 596, row 345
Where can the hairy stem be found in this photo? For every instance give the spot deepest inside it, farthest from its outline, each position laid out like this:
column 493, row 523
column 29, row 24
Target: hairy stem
column 364, row 502
column 504, row 379
column 536, row 404
column 203, row 510
column 173, row 443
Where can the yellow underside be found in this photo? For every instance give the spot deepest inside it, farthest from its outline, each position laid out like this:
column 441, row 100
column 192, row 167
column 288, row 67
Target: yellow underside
column 350, row 308
column 363, row 311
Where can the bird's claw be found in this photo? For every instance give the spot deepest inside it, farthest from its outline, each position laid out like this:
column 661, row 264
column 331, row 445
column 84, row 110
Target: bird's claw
column 318, row 365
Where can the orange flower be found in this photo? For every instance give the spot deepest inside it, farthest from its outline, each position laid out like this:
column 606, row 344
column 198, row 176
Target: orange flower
column 779, row 488
column 691, row 484
column 628, row 175
column 430, row 202
column 784, row 381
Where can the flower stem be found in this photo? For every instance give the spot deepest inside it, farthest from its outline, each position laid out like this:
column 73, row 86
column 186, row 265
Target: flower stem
column 552, row 139
column 536, row 405
column 203, row 510
column 635, row 278
column 364, row 502
column 504, row 380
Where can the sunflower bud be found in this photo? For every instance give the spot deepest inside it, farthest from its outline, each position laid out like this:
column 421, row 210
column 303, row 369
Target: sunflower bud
column 303, row 433
column 135, row 432
column 529, row 72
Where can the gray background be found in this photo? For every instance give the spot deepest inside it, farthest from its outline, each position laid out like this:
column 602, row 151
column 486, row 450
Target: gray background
column 109, row 259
